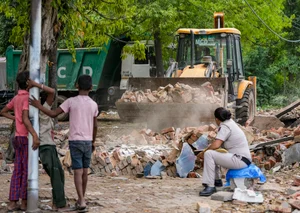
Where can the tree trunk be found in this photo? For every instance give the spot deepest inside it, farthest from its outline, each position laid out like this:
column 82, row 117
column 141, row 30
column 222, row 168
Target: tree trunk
column 50, row 33
column 158, row 54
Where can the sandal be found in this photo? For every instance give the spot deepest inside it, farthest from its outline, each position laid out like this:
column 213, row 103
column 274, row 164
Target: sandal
column 14, row 209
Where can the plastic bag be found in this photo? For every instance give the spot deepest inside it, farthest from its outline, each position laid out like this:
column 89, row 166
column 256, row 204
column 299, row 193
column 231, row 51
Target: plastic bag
column 147, row 169
column 201, row 143
column 252, row 171
column 186, row 161
column 157, row 168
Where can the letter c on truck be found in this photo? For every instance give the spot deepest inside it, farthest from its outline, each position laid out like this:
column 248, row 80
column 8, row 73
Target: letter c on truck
column 59, row 72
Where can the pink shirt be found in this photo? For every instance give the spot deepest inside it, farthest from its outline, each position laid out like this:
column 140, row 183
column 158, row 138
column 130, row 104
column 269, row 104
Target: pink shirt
column 20, row 103
column 82, row 110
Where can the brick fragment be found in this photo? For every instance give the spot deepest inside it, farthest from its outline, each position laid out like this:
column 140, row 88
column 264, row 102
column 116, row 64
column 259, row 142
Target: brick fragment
column 267, row 165
column 203, row 208
column 296, row 181
column 117, row 154
column 212, row 127
column 295, row 203
column 239, row 203
column 166, row 130
column 278, row 208
column 272, row 161
column 277, row 155
column 107, row 170
column 257, row 160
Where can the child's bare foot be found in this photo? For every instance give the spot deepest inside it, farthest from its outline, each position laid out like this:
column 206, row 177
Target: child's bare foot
column 24, row 205
column 13, row 206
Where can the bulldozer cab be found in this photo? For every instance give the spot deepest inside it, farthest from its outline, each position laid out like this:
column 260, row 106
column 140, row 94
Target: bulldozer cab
column 210, row 53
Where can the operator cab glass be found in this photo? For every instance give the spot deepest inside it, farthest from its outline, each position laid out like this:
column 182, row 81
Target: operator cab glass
column 213, row 45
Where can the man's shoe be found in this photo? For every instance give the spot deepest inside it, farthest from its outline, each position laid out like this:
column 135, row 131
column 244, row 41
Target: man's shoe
column 218, row 183
column 208, row 191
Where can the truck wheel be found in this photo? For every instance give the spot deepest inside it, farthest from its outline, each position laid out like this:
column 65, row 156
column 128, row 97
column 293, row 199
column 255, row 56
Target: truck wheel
column 246, row 107
column 62, row 116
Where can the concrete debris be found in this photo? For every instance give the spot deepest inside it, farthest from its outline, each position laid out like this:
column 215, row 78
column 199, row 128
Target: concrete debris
column 222, row 196
column 264, row 122
column 291, row 155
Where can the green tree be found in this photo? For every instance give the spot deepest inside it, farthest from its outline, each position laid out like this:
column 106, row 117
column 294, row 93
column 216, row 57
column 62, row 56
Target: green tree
column 6, row 25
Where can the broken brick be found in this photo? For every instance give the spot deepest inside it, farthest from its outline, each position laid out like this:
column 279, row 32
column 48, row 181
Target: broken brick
column 212, row 127
column 272, row 161
column 267, row 165
column 296, row 181
column 295, row 203
column 203, row 207
column 257, row 160
column 166, row 130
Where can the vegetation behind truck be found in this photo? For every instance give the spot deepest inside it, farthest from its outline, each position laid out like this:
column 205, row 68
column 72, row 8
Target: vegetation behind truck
column 104, row 65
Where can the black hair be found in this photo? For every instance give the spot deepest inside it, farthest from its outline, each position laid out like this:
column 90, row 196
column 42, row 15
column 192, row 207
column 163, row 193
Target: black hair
column 222, row 114
column 22, row 79
column 85, row 82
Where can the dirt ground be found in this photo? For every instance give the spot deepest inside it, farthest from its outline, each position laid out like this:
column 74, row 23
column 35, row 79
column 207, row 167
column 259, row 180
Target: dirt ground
column 134, row 195
column 119, row 194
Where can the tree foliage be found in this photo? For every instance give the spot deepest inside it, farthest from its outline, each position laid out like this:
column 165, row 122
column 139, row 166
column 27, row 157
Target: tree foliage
column 82, row 24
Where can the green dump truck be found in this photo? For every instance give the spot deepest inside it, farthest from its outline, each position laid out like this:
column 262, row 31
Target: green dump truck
column 109, row 72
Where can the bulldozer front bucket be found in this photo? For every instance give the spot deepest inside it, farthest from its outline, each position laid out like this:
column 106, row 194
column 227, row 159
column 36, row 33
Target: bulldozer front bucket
column 163, row 115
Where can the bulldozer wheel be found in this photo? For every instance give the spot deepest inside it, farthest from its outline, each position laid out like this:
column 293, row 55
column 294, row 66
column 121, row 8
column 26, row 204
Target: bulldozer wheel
column 63, row 116
column 246, row 107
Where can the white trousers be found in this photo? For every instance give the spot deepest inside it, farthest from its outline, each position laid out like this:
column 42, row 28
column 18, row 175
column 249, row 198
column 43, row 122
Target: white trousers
column 212, row 162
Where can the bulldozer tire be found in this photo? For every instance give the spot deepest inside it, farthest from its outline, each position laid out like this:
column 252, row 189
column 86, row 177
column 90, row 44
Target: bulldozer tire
column 246, row 107
column 63, row 116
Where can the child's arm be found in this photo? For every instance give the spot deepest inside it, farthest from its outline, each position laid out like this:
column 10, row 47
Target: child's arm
column 51, row 113
column 94, row 132
column 27, row 123
column 50, row 91
column 5, row 112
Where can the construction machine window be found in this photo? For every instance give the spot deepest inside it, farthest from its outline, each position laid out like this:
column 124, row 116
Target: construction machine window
column 239, row 57
column 204, row 45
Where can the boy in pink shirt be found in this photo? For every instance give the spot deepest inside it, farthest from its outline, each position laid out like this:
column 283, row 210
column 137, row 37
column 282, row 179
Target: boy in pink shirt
column 83, row 113
column 19, row 104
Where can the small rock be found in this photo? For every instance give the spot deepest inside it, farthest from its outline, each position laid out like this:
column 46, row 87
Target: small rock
column 163, row 175
column 296, row 181
column 203, row 208
column 113, row 174
column 119, row 178
column 295, row 203
column 290, row 191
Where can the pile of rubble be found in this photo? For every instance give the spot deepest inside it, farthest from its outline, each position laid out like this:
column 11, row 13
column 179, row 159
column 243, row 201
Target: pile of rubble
column 179, row 93
column 136, row 150
column 132, row 153
column 281, row 148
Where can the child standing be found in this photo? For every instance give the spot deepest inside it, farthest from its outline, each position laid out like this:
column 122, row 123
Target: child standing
column 19, row 104
column 83, row 113
column 47, row 150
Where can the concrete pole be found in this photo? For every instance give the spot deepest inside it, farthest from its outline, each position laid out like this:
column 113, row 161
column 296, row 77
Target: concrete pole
column 34, row 59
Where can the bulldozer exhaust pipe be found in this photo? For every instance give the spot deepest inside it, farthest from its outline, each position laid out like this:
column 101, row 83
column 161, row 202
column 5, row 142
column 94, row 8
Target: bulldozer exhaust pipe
column 218, row 20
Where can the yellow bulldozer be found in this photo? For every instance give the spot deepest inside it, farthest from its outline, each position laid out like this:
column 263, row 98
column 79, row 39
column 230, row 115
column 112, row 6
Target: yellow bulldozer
column 203, row 55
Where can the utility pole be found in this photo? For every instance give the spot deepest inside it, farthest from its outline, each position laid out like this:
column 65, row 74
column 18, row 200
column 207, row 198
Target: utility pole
column 34, row 60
